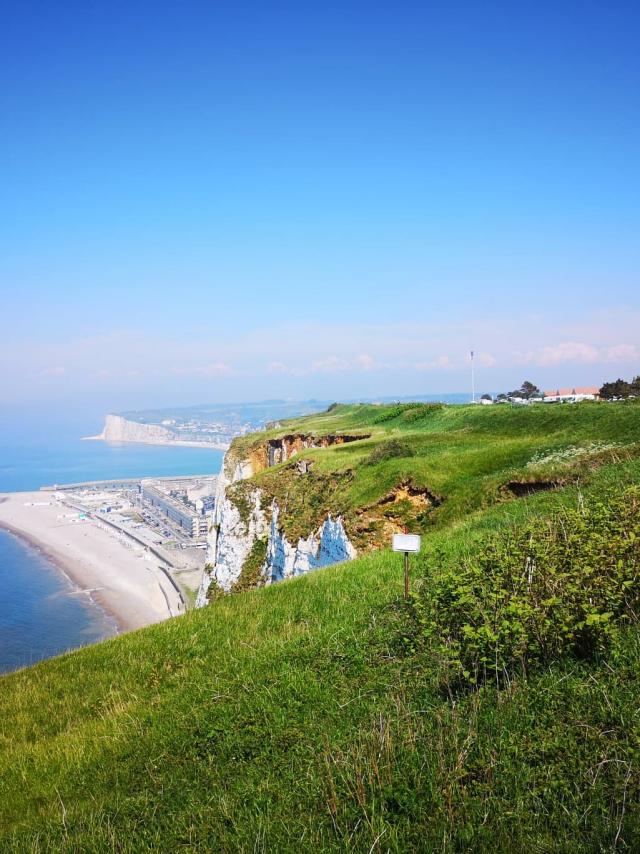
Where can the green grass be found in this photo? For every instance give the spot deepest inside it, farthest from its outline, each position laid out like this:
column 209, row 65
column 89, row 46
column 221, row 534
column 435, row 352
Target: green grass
column 309, row 716
column 465, row 455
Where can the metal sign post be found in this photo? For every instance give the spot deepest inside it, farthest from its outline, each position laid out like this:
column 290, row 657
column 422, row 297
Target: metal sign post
column 406, row 576
column 409, row 544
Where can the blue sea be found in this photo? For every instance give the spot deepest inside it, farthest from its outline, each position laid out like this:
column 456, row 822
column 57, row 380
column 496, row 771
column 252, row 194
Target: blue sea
column 41, row 613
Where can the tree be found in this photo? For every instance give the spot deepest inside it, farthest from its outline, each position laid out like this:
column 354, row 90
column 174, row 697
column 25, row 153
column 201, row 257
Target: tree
column 486, row 397
column 618, row 389
column 530, row 390
column 635, row 386
column 527, row 390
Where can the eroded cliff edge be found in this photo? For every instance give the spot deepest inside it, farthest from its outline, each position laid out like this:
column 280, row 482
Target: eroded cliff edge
column 248, row 545
column 307, row 494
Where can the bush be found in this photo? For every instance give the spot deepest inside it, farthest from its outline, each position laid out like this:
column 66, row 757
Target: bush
column 390, row 412
column 408, row 411
column 418, row 413
column 559, row 587
column 389, row 450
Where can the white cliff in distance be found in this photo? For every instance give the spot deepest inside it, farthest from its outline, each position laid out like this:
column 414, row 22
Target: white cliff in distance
column 119, row 429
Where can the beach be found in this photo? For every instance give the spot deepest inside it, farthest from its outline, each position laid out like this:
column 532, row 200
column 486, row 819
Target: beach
column 167, row 443
column 125, row 579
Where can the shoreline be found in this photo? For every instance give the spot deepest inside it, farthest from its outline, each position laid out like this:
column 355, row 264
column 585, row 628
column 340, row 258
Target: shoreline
column 123, row 582
column 62, row 567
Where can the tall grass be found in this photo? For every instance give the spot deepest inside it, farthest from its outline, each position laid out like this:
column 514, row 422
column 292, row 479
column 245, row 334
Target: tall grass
column 311, row 715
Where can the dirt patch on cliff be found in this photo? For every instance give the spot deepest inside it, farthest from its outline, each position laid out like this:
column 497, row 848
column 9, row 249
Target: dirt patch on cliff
column 418, row 496
column 259, row 459
column 405, row 506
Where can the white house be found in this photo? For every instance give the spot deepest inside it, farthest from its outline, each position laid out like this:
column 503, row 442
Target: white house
column 572, row 395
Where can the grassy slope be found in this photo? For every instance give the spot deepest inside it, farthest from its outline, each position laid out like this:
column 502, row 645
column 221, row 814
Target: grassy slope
column 301, row 717
column 463, row 454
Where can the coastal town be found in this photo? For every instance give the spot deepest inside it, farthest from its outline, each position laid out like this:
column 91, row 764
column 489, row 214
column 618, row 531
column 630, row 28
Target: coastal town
column 137, row 547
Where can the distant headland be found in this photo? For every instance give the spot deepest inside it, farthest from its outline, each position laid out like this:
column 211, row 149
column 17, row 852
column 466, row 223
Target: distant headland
column 117, row 428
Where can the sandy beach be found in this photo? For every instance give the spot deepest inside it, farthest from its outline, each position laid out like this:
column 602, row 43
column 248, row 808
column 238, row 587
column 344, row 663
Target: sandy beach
column 170, row 443
column 124, row 579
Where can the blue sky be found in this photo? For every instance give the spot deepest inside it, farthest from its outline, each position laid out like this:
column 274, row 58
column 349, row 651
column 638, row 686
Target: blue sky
column 208, row 202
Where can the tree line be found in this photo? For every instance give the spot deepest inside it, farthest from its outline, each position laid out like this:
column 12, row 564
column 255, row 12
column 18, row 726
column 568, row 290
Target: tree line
column 621, row 389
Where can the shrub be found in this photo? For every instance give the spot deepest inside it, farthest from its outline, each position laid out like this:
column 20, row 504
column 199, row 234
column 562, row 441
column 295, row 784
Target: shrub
column 389, row 413
column 408, row 411
column 418, row 413
column 559, row 587
column 389, row 450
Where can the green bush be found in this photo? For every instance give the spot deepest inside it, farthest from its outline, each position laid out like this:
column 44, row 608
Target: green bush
column 409, row 412
column 389, row 413
column 564, row 586
column 417, row 413
column 389, row 450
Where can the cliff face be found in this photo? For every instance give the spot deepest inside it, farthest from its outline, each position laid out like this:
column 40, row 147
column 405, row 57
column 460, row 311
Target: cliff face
column 328, row 545
column 230, row 538
column 234, row 539
column 118, row 429
column 238, row 528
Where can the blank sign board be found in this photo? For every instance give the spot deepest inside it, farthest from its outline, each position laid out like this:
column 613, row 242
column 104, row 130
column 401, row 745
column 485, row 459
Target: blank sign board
column 406, row 543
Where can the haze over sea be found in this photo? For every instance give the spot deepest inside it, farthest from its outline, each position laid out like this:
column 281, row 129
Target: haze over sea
column 41, row 613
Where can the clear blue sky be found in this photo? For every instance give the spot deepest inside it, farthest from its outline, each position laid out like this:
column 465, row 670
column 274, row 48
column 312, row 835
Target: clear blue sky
column 210, row 201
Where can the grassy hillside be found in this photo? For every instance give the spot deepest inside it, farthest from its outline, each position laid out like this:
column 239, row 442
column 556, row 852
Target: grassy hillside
column 447, row 460
column 318, row 714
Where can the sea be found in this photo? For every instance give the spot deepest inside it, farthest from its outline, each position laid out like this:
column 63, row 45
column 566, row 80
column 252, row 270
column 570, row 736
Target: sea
column 42, row 614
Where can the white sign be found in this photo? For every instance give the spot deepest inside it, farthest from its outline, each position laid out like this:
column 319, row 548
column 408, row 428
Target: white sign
column 406, row 543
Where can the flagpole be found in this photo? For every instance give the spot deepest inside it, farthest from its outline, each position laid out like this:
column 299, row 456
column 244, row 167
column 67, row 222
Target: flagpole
column 473, row 381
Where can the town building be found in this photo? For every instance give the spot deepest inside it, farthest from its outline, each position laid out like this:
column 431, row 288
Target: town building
column 192, row 521
column 571, row 395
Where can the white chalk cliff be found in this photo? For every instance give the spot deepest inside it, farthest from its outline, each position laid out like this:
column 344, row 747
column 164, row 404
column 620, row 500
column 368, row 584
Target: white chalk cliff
column 119, row 429
column 232, row 539
column 229, row 540
column 328, row 545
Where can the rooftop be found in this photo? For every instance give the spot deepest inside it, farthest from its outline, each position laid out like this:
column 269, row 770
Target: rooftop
column 568, row 392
